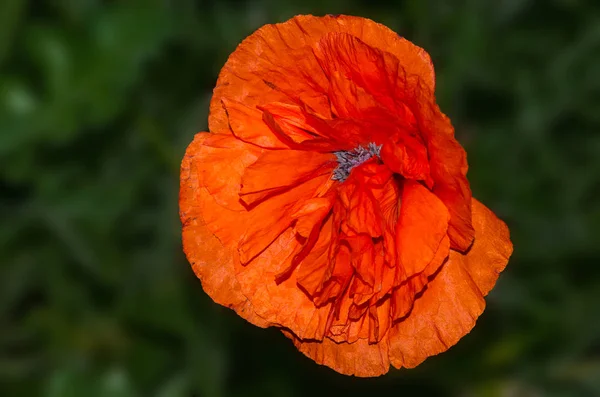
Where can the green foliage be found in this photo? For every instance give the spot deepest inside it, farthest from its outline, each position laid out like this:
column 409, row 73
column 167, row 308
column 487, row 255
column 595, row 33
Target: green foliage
column 98, row 101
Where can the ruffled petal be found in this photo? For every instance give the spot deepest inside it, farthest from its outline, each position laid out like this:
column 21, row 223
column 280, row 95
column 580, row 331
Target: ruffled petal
column 247, row 125
column 281, row 304
column 275, row 64
column 422, row 225
column 492, row 248
column 289, row 135
column 312, row 213
column 362, row 257
column 269, row 66
column 271, row 217
column 448, row 168
column 338, row 277
column 278, row 170
column 361, row 358
column 445, row 312
column 219, row 161
column 362, row 77
column 406, row 291
column 251, row 231
column 388, row 198
column 453, row 300
column 361, row 208
column 316, row 269
column 211, row 261
column 406, row 155
column 294, row 121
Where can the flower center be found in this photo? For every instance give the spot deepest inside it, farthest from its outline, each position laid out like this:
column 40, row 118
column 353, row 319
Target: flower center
column 348, row 159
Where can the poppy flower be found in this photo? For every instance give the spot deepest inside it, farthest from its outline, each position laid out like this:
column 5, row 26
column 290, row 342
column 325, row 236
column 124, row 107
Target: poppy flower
column 330, row 198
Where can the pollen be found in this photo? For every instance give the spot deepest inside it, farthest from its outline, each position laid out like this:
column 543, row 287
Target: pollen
column 348, row 159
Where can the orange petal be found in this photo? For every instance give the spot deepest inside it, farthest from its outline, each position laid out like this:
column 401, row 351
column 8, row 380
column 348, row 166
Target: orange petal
column 402, row 299
column 404, row 295
column 360, row 292
column 438, row 260
column 309, row 220
column 246, row 124
column 311, row 213
column 455, row 192
column 318, row 144
column 277, row 170
column 388, row 198
column 271, row 217
column 219, row 161
column 211, row 261
column 271, row 65
column 287, row 63
column 387, row 279
column 489, row 254
column 379, row 320
column 404, row 154
column 337, row 279
column 251, row 231
column 360, row 76
column 348, row 100
column 453, row 301
column 363, row 213
column 445, row 312
column 362, row 251
column 316, row 267
column 360, row 358
column 448, row 168
column 352, row 322
column 301, row 129
column 281, row 304
column 422, row 225
column 293, row 120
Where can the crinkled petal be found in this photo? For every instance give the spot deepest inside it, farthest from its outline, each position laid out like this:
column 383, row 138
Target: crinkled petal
column 211, row 261
column 407, row 156
column 220, row 161
column 289, row 133
column 361, row 76
column 338, row 277
column 453, row 300
column 362, row 209
column 275, row 64
column 445, row 312
column 277, row 170
column 312, row 213
column 388, row 198
column 492, row 248
column 315, row 269
column 251, row 231
column 281, row 304
column 270, row 218
column 247, row 125
column 362, row 251
column 294, row 121
column 448, row 168
column 422, row 225
column 361, row 358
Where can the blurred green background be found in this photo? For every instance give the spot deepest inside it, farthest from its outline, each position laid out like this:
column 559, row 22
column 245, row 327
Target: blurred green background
column 98, row 100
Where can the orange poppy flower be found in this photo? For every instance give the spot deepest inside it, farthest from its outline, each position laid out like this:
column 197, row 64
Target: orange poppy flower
column 330, row 198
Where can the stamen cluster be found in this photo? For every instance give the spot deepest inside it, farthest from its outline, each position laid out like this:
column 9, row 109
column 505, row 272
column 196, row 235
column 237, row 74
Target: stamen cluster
column 348, row 159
